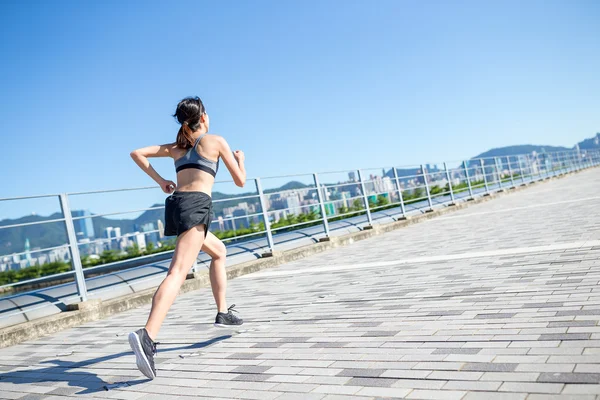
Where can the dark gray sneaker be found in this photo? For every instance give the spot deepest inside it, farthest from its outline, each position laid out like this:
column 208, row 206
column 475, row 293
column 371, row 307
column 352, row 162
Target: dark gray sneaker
column 144, row 349
column 228, row 320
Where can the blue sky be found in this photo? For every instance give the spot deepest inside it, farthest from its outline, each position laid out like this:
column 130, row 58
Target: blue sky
column 300, row 86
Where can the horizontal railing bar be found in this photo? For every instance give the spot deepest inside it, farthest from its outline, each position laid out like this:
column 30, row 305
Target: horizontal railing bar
column 32, row 223
column 36, row 280
column 345, row 199
column 28, row 310
column 308, row 188
column 243, row 236
column 298, row 224
column 340, row 184
column 119, row 213
column 37, row 196
column 252, row 196
column 293, row 208
column 35, row 251
column 259, row 214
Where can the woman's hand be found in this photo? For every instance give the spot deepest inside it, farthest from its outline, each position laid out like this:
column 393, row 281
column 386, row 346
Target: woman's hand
column 168, row 186
column 239, row 156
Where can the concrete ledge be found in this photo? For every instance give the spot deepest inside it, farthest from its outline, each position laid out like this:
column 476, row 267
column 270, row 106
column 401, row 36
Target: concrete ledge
column 93, row 310
column 85, row 305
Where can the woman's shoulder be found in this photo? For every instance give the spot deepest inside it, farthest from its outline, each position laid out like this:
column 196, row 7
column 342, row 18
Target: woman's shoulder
column 215, row 139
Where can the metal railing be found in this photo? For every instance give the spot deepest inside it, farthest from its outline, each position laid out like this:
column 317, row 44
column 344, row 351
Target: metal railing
column 393, row 194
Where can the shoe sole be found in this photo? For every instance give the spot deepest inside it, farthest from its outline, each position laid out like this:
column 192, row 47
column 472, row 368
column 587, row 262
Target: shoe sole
column 140, row 357
column 223, row 326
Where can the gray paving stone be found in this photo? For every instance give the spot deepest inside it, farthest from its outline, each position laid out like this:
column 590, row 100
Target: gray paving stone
column 249, row 369
column 361, row 372
column 384, row 392
column 472, row 350
column 564, row 377
column 252, row 377
column 566, row 336
column 529, row 387
column 295, row 387
column 495, row 316
column 494, row 396
column 436, row 394
column 535, row 396
column 489, row 367
column 371, row 382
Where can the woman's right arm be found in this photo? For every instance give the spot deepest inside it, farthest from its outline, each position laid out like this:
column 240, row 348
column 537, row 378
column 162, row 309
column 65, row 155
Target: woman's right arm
column 140, row 156
column 234, row 161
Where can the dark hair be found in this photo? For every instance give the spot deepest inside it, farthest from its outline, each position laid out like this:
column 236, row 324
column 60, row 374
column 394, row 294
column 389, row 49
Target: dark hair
column 188, row 113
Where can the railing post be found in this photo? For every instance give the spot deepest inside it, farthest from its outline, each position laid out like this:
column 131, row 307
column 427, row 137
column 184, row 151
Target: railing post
column 530, row 168
column 550, row 161
column 520, row 160
column 588, row 159
column 498, row 172
column 449, row 184
column 539, row 166
column 366, row 199
column 73, row 247
column 399, row 188
column 487, row 189
column 427, row 188
column 263, row 206
column 322, row 207
column 510, row 172
column 575, row 166
column 468, row 180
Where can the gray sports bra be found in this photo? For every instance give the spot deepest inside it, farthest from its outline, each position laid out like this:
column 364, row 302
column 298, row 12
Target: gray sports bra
column 192, row 159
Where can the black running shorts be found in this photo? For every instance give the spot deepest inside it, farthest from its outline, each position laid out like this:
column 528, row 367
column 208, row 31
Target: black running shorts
column 184, row 210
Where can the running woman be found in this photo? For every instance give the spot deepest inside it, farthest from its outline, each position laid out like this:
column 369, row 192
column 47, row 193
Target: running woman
column 188, row 214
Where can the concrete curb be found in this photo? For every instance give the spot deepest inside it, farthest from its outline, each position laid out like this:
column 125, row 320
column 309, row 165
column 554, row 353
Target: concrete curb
column 98, row 310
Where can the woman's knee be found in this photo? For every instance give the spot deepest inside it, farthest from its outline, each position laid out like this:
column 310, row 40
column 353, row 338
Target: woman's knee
column 220, row 251
column 179, row 271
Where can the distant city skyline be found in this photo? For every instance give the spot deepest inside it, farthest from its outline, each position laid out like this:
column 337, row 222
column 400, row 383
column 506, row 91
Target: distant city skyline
column 280, row 205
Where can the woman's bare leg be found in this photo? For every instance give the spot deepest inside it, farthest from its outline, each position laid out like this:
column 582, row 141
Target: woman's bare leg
column 188, row 246
column 218, row 275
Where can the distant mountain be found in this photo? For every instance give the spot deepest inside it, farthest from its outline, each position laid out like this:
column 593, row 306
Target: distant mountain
column 520, row 149
column 587, row 144
column 50, row 234
column 591, row 143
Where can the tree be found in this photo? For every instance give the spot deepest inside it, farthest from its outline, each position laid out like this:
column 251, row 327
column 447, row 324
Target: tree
column 382, row 201
column 418, row 193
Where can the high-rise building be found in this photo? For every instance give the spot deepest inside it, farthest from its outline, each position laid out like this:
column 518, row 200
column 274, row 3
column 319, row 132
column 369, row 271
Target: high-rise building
column 84, row 226
column 352, row 176
column 151, row 235
column 28, row 260
column 241, row 222
column 140, row 239
column 228, row 222
column 292, row 203
column 345, row 199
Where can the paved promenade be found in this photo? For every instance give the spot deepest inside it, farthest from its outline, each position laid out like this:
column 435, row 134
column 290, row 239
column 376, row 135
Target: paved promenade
column 497, row 301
